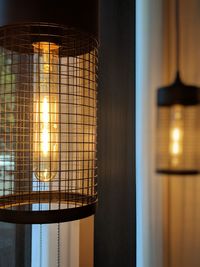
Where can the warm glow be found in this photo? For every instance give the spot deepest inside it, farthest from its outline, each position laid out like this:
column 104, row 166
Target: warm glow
column 45, row 131
column 45, row 138
column 176, row 135
column 176, row 148
column 176, row 141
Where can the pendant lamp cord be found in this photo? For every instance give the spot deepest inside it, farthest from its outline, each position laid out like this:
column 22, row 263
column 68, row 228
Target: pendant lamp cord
column 177, row 37
column 58, row 244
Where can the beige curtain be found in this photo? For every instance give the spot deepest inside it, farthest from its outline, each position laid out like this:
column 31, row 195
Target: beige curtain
column 168, row 207
column 182, row 205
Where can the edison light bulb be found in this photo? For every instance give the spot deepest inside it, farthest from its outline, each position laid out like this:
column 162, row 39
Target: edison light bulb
column 176, row 135
column 45, row 107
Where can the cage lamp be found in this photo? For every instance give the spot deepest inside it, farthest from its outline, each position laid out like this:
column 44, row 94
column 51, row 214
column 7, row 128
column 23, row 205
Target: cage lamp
column 178, row 129
column 177, row 124
column 48, row 90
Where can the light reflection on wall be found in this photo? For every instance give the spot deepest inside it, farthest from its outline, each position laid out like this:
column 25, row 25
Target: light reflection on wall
column 149, row 38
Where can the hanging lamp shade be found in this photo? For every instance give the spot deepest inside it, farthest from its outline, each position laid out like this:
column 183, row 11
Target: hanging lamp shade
column 178, row 129
column 48, row 88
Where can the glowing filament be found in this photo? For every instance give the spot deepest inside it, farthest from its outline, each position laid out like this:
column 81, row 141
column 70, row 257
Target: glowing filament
column 176, row 135
column 176, row 141
column 45, row 132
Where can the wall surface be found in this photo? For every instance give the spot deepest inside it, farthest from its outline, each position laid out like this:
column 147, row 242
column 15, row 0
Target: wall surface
column 183, row 201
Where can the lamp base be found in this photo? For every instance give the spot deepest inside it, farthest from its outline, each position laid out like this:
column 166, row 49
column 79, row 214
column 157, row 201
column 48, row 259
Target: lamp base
column 24, row 209
column 177, row 172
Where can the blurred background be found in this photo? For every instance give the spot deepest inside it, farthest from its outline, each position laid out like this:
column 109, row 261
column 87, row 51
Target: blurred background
column 168, row 207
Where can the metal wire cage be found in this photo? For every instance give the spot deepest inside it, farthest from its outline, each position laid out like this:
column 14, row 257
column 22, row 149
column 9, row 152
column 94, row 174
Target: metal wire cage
column 48, row 80
column 178, row 150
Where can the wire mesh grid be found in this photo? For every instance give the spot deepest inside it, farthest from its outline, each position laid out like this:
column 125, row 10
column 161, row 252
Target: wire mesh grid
column 48, row 80
column 177, row 138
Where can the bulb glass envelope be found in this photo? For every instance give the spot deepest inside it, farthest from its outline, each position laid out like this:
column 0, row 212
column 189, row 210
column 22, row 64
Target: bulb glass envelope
column 177, row 145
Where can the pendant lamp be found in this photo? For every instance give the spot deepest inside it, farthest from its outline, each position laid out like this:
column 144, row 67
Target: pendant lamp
column 48, row 89
column 178, row 124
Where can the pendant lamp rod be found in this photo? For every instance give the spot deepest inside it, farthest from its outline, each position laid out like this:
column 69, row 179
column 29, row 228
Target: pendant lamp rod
column 177, row 37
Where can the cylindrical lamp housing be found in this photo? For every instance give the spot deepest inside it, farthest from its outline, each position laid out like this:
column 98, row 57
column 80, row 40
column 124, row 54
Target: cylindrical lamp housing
column 48, row 92
column 178, row 129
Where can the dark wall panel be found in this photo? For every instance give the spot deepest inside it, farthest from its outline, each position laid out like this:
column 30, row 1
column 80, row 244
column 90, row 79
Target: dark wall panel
column 15, row 245
column 115, row 219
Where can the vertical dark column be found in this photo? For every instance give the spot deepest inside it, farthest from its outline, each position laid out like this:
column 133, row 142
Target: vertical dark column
column 115, row 221
column 23, row 245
